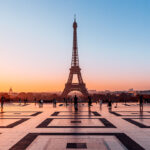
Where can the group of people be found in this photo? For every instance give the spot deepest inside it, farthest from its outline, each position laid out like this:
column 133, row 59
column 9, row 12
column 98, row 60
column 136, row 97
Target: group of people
column 67, row 100
column 109, row 102
column 76, row 101
column 25, row 101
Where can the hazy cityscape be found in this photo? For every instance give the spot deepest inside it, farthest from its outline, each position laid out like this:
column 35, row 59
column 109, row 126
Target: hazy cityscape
column 48, row 96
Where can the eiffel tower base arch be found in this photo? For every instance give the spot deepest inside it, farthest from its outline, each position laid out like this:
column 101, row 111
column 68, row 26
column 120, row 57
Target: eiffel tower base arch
column 75, row 87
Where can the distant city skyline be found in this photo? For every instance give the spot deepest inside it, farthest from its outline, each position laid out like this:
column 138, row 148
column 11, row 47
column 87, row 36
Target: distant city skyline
column 36, row 44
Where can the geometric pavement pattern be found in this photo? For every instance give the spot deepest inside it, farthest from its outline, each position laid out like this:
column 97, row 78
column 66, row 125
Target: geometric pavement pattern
column 36, row 127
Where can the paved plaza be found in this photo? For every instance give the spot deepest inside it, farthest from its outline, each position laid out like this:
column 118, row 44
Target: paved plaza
column 35, row 127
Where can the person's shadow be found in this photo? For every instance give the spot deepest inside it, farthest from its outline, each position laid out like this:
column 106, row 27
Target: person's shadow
column 89, row 111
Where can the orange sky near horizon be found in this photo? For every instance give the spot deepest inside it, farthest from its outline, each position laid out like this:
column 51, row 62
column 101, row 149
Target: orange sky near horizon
column 58, row 85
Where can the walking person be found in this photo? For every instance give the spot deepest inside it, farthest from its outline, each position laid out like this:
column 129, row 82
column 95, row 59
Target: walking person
column 19, row 101
column 141, row 102
column 100, row 102
column 35, row 101
column 76, row 103
column 54, row 102
column 109, row 105
column 66, row 101
column 90, row 101
column 41, row 103
column 2, row 103
column 24, row 101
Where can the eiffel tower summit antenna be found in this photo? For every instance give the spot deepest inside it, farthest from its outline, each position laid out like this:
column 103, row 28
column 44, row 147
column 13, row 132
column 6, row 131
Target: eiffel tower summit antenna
column 75, row 69
column 74, row 17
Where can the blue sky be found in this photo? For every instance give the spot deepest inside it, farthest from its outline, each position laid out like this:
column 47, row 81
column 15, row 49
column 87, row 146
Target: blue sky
column 36, row 43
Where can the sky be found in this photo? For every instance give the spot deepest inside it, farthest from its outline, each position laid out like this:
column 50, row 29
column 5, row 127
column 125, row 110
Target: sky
column 36, row 44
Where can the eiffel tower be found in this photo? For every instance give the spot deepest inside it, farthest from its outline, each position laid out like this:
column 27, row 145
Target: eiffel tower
column 75, row 69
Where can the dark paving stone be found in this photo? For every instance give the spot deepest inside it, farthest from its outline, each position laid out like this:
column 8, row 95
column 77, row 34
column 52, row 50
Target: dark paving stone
column 74, row 113
column 75, row 121
column 137, row 123
column 106, row 123
column 76, row 145
column 122, row 137
column 47, row 121
column 15, row 123
column 117, row 113
column 55, row 114
column 126, row 104
column 25, row 105
column 37, row 113
column 21, row 113
column 95, row 113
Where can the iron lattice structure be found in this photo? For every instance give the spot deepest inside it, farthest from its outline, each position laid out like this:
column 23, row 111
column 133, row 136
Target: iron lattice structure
column 75, row 69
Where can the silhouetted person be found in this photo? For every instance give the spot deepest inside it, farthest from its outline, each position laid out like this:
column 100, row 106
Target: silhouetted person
column 54, row 102
column 141, row 102
column 101, row 103
column 2, row 103
column 40, row 103
column 25, row 101
column 109, row 104
column 90, row 101
column 64, row 100
column 141, row 106
column 19, row 101
column 89, row 112
column 35, row 101
column 76, row 103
